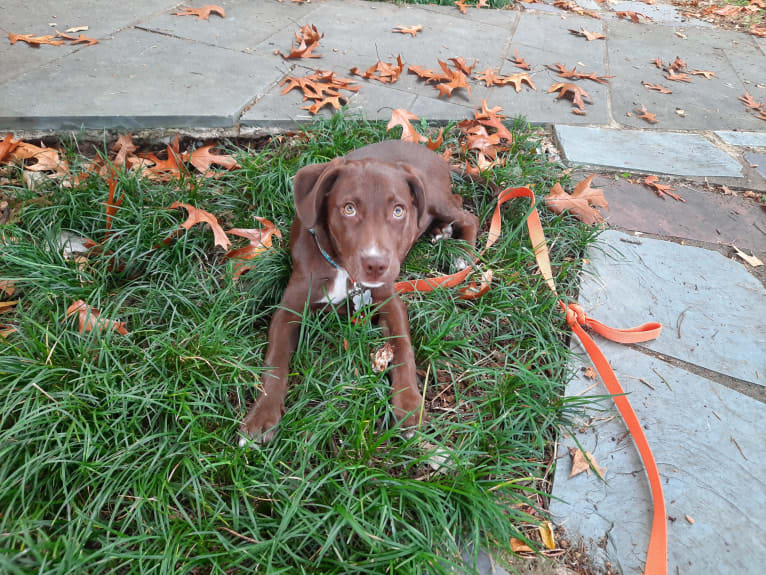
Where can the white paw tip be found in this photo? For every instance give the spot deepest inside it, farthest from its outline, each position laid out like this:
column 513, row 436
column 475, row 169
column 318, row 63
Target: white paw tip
column 461, row 264
column 242, row 441
column 408, row 434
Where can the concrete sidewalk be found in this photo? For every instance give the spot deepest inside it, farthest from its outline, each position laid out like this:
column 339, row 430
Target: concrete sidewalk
column 699, row 390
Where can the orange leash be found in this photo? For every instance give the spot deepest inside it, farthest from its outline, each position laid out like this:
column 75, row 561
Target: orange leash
column 657, row 554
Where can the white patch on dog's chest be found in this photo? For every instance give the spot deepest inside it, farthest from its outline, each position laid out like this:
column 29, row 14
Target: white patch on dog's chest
column 337, row 290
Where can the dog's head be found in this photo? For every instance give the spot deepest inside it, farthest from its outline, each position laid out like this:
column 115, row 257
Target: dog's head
column 369, row 211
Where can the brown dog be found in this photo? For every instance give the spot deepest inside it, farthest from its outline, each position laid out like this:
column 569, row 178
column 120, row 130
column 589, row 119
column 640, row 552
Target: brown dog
column 357, row 217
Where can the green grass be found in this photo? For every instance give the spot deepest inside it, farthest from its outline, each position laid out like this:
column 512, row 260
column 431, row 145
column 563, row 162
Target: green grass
column 117, row 453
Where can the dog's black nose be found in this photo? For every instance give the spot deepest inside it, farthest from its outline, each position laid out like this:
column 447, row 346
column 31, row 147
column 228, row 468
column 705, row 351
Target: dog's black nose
column 374, row 266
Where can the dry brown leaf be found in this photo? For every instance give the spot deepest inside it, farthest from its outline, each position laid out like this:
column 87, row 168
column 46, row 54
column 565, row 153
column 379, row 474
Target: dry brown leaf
column 168, row 169
column 260, row 241
column 111, row 203
column 456, row 79
column 434, row 144
column 577, row 9
column 750, row 102
column 518, row 546
column 590, row 373
column 579, row 202
column 89, row 319
column 752, row 260
column 461, row 5
column 707, row 73
column 661, row 190
column 411, row 30
column 7, row 305
column 402, row 117
column 517, row 80
column 76, row 29
column 657, row 88
column 546, row 534
column 658, row 62
column 682, row 77
column 382, row 71
column 645, row 114
column 635, row 17
column 124, row 146
column 198, row 216
column 7, row 287
column 46, row 159
column 462, row 65
column 6, row 330
column 519, row 62
column 202, row 159
column 580, row 463
column 678, row 64
column 7, row 146
column 78, row 39
column 589, row 36
column 489, row 77
column 576, row 93
column 202, row 13
column 35, row 41
column 306, row 40
column 689, row 519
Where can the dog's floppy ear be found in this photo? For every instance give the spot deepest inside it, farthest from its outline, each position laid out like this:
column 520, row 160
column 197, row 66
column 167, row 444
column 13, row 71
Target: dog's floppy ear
column 310, row 188
column 418, row 191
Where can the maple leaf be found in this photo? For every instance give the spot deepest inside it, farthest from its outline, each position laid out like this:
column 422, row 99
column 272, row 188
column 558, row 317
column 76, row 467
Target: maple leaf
column 678, row 64
column 260, row 241
column 434, row 144
column 644, row 114
column 7, row 146
column 590, row 373
column 589, row 36
column 202, row 13
column 752, row 260
column 519, row 62
column 202, row 158
column 658, row 62
column 583, row 462
column 518, row 546
column 593, row 76
column 579, row 202
column 411, row 30
column 518, row 79
column 577, row 9
column 89, row 319
column 35, row 41
column 671, row 75
column 166, row 170
column 402, row 117
column 661, row 190
column 7, row 305
column 561, row 70
column 635, row 17
column 708, row 74
column 575, row 92
column 456, row 80
column 461, row 5
column 198, row 216
column 657, row 88
column 428, row 75
column 492, row 118
column 757, row 30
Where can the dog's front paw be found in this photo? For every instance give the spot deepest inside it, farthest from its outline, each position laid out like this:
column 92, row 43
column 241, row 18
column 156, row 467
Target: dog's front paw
column 260, row 423
column 442, row 233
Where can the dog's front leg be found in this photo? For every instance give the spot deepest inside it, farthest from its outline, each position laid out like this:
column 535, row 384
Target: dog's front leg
column 406, row 397
column 269, row 407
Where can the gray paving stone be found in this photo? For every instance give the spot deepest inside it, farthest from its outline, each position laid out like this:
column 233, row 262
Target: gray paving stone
column 495, row 17
column 137, row 80
column 358, row 34
column 373, row 102
column 660, row 152
column 540, row 7
column 745, row 139
column 102, row 18
column 757, row 160
column 707, row 104
column 443, row 110
column 705, row 302
column 660, row 13
column 247, row 24
column 692, row 431
column 531, row 42
column 705, row 216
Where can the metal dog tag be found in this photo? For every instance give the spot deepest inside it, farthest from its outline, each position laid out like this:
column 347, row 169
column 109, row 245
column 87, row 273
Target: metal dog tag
column 360, row 297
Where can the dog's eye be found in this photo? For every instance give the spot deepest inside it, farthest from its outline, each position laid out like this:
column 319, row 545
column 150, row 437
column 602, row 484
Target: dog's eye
column 349, row 209
column 398, row 211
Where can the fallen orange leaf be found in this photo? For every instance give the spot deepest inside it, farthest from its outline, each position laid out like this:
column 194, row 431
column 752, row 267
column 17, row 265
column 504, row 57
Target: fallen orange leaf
column 583, row 462
column 33, row 40
column 202, row 13
column 202, row 159
column 402, row 117
column 411, row 30
column 645, row 114
column 89, row 319
column 661, row 190
column 579, row 202
column 198, row 216
column 260, row 241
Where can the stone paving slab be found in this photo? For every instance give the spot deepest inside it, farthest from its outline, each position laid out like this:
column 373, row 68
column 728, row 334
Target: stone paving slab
column 647, row 151
column 692, row 429
column 102, row 19
column 136, row 80
column 661, row 14
column 744, row 139
column 247, row 24
column 705, row 216
column 710, row 103
column 705, row 302
column 758, row 161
